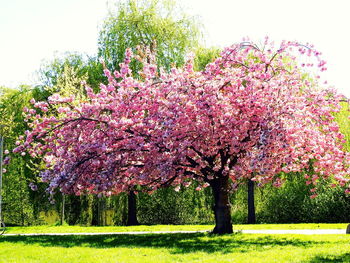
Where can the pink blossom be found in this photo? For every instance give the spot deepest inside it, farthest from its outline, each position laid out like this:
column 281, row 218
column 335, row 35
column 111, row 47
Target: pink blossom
column 313, row 196
column 250, row 112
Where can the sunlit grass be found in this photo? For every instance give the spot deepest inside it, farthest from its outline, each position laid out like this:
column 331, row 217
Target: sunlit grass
column 194, row 247
column 104, row 229
column 292, row 226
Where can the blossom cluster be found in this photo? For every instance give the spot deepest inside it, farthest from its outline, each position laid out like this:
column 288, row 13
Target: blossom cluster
column 251, row 113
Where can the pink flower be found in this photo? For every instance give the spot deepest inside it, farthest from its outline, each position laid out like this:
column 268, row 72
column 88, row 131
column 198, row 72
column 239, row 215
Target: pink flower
column 239, row 118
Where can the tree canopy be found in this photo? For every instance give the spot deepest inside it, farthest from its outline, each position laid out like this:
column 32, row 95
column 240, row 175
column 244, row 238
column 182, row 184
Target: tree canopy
column 158, row 25
column 250, row 114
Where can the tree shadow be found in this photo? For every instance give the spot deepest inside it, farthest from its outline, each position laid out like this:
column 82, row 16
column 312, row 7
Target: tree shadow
column 176, row 243
column 343, row 258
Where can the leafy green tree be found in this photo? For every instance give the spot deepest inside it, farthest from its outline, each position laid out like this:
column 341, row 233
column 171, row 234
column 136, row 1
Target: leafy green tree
column 64, row 73
column 22, row 205
column 203, row 56
column 159, row 25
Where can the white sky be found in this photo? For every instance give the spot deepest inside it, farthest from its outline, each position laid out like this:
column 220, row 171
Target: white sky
column 32, row 30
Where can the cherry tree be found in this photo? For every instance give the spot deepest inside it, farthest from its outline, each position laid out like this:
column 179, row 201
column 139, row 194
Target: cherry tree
column 251, row 114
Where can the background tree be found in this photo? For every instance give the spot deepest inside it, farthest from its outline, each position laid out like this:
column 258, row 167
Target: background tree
column 251, row 202
column 203, row 56
column 22, row 205
column 159, row 25
column 63, row 74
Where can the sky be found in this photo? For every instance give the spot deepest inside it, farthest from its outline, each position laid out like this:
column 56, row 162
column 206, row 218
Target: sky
column 32, row 31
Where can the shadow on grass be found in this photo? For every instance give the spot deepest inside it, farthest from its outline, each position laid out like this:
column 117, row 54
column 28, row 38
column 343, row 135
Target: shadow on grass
column 176, row 243
column 344, row 258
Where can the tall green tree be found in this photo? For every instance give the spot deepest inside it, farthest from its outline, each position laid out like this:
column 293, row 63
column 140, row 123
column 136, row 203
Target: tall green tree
column 159, row 25
column 21, row 204
column 65, row 72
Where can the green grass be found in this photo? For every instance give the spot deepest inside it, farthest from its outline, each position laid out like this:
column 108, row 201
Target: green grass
column 82, row 229
column 292, row 226
column 194, row 247
column 94, row 229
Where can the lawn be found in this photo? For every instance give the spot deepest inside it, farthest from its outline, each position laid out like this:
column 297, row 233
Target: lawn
column 81, row 229
column 180, row 247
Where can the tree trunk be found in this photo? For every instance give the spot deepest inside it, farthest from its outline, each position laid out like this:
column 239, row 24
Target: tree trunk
column 251, row 205
column 62, row 209
column 95, row 211
column 132, row 215
column 222, row 207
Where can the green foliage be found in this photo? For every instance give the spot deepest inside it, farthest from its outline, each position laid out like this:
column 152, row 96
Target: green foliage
column 342, row 118
column 21, row 205
column 204, row 56
column 158, row 25
column 291, row 203
column 65, row 73
column 332, row 205
column 165, row 206
column 12, row 102
column 239, row 205
column 17, row 208
column 285, row 204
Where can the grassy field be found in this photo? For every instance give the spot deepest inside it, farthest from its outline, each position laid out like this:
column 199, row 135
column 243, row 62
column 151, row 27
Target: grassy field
column 82, row 229
column 194, row 247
